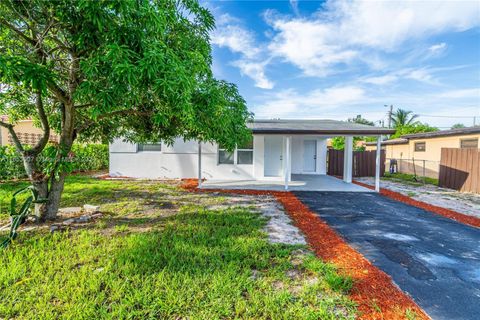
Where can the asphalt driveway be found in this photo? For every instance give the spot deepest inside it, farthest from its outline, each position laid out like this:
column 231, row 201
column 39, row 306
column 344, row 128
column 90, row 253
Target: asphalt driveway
column 434, row 259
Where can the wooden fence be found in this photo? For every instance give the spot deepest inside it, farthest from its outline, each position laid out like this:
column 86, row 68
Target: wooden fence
column 460, row 169
column 363, row 163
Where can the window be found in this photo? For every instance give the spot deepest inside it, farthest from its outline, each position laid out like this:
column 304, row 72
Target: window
column 469, row 143
column 245, row 153
column 242, row 155
column 225, row 157
column 150, row 147
column 420, row 146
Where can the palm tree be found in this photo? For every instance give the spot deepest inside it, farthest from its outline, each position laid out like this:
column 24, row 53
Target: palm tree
column 401, row 118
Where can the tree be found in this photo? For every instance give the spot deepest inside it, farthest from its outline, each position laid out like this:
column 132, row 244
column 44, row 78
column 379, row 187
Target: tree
column 338, row 143
column 458, row 126
column 95, row 70
column 401, row 118
column 360, row 120
column 411, row 129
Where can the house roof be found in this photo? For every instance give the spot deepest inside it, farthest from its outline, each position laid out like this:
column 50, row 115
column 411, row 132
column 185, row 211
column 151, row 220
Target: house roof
column 443, row 133
column 388, row 142
column 326, row 127
column 428, row 135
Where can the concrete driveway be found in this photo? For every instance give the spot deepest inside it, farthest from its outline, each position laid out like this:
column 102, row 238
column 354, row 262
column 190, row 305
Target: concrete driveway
column 434, row 259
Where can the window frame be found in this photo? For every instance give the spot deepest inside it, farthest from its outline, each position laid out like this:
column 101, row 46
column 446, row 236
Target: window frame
column 243, row 150
column 235, row 156
column 424, row 143
column 468, row 139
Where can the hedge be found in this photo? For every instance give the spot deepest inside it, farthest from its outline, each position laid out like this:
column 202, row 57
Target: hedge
column 85, row 157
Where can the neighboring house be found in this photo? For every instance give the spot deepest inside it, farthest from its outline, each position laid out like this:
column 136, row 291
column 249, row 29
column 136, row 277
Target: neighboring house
column 414, row 152
column 26, row 131
column 279, row 148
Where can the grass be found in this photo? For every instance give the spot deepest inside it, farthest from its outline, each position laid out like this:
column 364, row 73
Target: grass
column 160, row 252
column 409, row 178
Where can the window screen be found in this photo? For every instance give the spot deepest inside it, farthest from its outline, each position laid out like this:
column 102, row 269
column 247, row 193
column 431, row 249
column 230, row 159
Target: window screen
column 150, row 147
column 420, row 146
column 469, row 143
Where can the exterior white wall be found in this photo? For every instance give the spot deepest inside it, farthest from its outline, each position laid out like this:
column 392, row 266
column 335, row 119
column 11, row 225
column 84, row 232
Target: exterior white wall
column 180, row 160
column 177, row 161
column 258, row 156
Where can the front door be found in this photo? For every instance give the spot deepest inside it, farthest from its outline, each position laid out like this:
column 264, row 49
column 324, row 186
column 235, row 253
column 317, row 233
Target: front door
column 309, row 155
column 273, row 156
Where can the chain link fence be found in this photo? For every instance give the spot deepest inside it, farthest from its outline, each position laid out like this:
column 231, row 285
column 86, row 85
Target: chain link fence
column 414, row 166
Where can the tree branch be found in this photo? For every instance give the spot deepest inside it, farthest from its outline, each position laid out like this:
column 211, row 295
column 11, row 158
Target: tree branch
column 45, row 125
column 58, row 92
column 124, row 113
column 113, row 114
column 12, row 132
column 17, row 31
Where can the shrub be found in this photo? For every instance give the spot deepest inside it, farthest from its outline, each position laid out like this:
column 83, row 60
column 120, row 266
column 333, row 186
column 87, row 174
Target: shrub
column 11, row 164
column 84, row 157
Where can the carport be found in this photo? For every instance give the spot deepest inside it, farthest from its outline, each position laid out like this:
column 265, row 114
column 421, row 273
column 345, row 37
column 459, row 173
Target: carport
column 292, row 155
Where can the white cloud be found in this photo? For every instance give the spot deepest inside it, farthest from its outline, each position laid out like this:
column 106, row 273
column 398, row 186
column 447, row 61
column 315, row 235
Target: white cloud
column 424, row 75
column 345, row 32
column 381, row 80
column 256, row 71
column 342, row 102
column 421, row 75
column 230, row 34
column 293, row 104
column 237, row 39
column 437, row 49
column 462, row 93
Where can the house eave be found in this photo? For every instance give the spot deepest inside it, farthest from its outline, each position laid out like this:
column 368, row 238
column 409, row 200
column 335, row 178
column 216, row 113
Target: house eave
column 324, row 132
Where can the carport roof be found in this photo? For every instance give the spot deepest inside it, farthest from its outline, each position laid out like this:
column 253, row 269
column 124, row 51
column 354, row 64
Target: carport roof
column 324, row 127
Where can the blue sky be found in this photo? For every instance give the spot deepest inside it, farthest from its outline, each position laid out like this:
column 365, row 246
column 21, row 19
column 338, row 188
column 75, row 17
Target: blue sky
column 338, row 59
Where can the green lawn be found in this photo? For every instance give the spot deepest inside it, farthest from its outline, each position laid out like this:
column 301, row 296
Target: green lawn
column 160, row 252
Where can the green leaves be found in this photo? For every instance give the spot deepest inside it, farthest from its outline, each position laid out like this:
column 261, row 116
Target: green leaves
column 19, row 217
column 417, row 127
column 139, row 66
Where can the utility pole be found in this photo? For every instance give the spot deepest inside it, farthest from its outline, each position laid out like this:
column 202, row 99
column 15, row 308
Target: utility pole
column 390, row 116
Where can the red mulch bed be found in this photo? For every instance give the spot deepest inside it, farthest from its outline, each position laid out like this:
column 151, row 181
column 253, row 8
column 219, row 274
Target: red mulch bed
column 451, row 214
column 374, row 292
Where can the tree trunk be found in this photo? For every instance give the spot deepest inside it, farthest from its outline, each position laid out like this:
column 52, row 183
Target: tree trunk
column 54, row 196
column 48, row 210
column 41, row 208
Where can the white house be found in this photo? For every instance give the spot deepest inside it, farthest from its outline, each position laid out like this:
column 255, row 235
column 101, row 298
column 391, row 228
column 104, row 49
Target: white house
column 282, row 153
